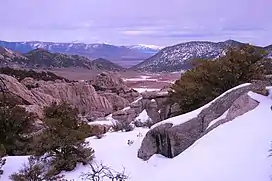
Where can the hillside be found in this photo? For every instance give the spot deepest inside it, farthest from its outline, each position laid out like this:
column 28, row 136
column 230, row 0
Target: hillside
column 41, row 58
column 179, row 57
column 234, row 151
column 104, row 64
column 131, row 55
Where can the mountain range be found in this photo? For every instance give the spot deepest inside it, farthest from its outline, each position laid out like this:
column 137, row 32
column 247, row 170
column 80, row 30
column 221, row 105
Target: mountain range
column 174, row 58
column 122, row 55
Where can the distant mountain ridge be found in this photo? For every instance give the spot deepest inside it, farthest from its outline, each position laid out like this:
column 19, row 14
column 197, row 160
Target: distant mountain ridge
column 40, row 58
column 131, row 55
column 178, row 57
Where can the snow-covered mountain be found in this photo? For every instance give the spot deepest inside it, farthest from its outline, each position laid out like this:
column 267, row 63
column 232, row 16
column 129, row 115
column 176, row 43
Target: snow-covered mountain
column 178, row 57
column 152, row 49
column 131, row 55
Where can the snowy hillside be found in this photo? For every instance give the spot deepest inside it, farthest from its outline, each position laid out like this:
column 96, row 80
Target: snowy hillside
column 178, row 57
column 235, row 151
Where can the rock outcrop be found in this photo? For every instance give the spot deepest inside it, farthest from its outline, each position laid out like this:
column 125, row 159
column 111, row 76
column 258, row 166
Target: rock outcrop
column 79, row 94
column 170, row 140
column 111, row 82
column 125, row 116
column 117, row 102
column 155, row 104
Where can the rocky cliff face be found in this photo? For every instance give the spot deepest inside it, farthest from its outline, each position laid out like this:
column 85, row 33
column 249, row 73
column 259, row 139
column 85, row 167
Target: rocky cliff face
column 79, row 94
column 170, row 140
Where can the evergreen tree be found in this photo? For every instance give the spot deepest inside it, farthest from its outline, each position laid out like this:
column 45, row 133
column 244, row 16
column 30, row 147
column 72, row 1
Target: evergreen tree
column 63, row 140
column 14, row 123
column 209, row 79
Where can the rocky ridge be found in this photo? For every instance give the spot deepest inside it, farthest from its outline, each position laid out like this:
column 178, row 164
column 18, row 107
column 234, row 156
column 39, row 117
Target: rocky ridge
column 41, row 58
column 91, row 103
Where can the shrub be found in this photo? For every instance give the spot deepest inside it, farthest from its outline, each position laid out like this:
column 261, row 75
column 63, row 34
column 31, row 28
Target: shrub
column 63, row 139
column 211, row 78
column 102, row 172
column 35, row 170
column 2, row 163
column 15, row 121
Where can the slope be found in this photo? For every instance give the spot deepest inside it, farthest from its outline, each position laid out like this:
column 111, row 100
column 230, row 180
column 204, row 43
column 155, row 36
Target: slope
column 104, row 64
column 235, row 151
column 179, row 57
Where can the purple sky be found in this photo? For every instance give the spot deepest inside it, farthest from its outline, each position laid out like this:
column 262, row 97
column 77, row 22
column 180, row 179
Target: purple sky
column 158, row 22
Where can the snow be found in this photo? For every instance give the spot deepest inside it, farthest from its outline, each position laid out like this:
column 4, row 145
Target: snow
column 105, row 122
column 140, row 90
column 143, row 117
column 140, row 79
column 152, row 46
column 138, row 99
column 13, row 164
column 190, row 115
column 234, row 151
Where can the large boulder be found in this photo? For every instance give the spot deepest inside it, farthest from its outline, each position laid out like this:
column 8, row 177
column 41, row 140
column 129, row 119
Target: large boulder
column 117, row 102
column 241, row 106
column 109, row 80
column 125, row 116
column 170, row 140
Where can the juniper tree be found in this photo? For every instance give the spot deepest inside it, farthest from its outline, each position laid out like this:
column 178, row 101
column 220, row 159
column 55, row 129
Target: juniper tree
column 63, row 141
column 210, row 78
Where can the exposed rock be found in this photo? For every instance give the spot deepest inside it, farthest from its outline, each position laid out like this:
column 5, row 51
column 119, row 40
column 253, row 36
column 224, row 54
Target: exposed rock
column 152, row 141
column 154, row 94
column 130, row 94
column 171, row 140
column 29, row 98
column 80, row 94
column 125, row 115
column 241, row 106
column 117, row 102
column 153, row 111
column 109, row 80
column 29, row 82
column 35, row 109
column 98, row 129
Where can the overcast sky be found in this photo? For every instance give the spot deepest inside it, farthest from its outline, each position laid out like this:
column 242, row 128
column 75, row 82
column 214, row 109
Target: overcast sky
column 158, row 22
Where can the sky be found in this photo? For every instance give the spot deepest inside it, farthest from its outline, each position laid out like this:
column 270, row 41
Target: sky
column 131, row 22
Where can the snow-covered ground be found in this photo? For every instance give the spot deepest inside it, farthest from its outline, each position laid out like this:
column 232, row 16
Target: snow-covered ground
column 190, row 115
column 141, row 90
column 235, row 151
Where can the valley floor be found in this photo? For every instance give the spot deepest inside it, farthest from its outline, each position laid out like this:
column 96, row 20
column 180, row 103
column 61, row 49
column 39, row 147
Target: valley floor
column 235, row 151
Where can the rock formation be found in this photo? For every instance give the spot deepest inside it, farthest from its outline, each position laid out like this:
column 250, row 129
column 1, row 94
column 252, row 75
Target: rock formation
column 170, row 140
column 79, row 94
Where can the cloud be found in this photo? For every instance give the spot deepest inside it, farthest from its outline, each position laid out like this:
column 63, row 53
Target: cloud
column 136, row 21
